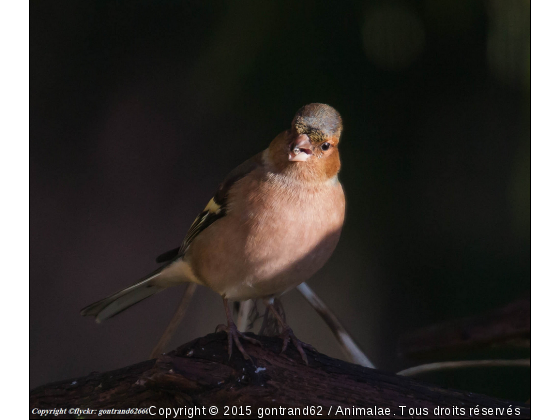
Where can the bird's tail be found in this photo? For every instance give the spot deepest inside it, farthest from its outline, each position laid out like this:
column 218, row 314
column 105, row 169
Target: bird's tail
column 168, row 275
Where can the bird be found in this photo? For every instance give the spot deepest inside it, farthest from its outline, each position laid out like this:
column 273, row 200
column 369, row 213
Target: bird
column 274, row 221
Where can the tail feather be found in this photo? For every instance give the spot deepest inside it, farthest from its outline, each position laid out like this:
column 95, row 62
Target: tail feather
column 118, row 302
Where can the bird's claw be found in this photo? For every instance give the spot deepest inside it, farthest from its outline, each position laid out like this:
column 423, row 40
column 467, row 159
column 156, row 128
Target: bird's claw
column 287, row 336
column 234, row 335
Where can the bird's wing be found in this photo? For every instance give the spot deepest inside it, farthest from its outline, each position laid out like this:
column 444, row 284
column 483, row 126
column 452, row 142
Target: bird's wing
column 215, row 209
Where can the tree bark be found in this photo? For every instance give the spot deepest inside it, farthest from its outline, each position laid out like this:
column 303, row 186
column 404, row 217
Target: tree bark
column 199, row 376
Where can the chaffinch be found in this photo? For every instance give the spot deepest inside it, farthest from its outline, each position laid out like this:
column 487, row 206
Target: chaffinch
column 275, row 221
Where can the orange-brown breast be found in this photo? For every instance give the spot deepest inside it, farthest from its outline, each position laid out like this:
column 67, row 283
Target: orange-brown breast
column 277, row 234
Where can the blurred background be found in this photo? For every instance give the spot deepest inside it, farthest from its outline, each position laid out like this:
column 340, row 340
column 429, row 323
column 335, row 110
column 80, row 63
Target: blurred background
column 139, row 109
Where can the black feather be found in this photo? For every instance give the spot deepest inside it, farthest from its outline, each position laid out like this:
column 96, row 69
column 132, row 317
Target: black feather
column 168, row 256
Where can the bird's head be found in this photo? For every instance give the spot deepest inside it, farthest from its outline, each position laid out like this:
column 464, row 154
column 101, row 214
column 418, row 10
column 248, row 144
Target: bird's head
column 310, row 147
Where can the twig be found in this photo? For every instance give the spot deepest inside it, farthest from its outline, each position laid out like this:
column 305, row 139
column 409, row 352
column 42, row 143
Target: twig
column 431, row 367
column 175, row 321
column 349, row 347
column 245, row 309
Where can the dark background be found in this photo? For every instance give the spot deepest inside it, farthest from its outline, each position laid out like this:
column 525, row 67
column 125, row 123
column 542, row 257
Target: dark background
column 139, row 109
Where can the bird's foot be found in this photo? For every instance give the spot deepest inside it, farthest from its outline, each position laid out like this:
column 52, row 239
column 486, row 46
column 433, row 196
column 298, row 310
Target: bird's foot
column 288, row 335
column 234, row 335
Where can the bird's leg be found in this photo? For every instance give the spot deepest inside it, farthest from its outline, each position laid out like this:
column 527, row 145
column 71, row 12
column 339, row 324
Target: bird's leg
column 287, row 333
column 234, row 334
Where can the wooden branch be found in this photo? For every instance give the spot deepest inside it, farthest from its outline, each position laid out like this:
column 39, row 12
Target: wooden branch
column 199, row 375
column 506, row 326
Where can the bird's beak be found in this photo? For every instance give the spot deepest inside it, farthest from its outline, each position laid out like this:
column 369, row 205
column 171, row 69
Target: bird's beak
column 300, row 149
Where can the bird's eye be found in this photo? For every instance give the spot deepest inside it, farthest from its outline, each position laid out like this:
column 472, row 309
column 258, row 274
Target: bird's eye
column 325, row 146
